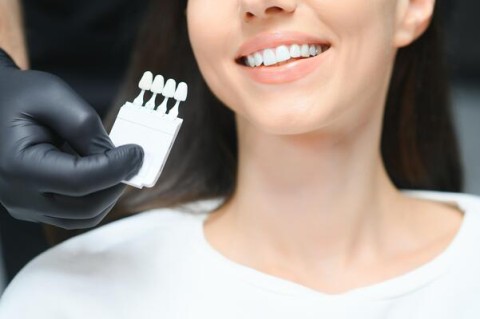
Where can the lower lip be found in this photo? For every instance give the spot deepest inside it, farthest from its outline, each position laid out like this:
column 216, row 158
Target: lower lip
column 285, row 73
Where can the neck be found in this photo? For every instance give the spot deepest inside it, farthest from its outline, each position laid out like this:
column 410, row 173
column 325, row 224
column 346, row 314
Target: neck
column 303, row 200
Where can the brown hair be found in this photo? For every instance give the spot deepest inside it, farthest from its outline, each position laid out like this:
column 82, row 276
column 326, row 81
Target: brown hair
column 418, row 143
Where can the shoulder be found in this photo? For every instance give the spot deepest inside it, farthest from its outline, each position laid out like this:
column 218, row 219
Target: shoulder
column 119, row 254
column 119, row 237
column 469, row 204
column 161, row 224
column 463, row 250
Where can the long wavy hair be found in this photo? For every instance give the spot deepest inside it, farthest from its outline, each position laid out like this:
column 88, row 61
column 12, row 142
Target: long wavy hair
column 418, row 142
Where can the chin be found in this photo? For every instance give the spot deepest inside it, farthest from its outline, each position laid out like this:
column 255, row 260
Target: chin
column 283, row 125
column 277, row 120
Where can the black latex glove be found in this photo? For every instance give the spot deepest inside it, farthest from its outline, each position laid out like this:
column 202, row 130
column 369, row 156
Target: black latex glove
column 41, row 182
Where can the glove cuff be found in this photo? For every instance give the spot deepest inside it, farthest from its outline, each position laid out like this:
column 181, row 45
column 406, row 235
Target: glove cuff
column 6, row 60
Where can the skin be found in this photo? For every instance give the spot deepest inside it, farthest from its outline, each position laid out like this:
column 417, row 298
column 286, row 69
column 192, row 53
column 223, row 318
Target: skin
column 12, row 39
column 313, row 202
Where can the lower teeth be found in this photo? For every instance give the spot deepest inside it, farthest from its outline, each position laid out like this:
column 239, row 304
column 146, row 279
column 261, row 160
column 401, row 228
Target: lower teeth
column 288, row 61
column 285, row 62
column 279, row 63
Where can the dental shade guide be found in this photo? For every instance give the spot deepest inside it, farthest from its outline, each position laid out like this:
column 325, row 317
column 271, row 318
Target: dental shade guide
column 152, row 129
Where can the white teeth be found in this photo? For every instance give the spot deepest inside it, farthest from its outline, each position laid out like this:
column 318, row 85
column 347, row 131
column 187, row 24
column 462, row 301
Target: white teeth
column 305, row 50
column 258, row 59
column 269, row 57
column 250, row 61
column 295, row 51
column 282, row 53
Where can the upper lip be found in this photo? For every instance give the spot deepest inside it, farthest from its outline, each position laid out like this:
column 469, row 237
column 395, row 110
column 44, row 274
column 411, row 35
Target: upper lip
column 274, row 39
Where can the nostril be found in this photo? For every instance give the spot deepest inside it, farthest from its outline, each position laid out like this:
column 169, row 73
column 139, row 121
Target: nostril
column 273, row 10
column 264, row 13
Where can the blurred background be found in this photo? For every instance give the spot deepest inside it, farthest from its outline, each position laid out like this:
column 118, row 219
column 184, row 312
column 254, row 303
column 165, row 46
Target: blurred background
column 98, row 36
column 463, row 52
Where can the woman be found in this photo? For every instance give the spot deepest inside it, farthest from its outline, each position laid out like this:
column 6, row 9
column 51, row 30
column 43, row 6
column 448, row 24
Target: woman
column 306, row 167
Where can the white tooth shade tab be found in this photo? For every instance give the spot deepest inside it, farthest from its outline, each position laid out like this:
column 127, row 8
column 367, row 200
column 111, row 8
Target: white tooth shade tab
column 168, row 92
column 180, row 95
column 181, row 92
column 169, row 89
column 158, row 84
column 157, row 88
column 144, row 84
column 146, row 81
column 282, row 53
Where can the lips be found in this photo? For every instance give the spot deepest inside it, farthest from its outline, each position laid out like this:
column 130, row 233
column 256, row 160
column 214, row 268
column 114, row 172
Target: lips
column 275, row 39
column 283, row 72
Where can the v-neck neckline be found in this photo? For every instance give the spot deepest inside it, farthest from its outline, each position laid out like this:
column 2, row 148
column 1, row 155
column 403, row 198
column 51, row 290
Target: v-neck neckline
column 398, row 285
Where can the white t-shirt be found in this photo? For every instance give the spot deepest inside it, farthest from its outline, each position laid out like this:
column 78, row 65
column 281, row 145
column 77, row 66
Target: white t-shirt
column 158, row 264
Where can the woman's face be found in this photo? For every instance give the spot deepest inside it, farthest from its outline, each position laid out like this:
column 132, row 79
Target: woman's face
column 347, row 81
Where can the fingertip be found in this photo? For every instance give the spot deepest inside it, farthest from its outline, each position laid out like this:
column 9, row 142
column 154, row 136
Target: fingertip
column 131, row 155
column 131, row 150
column 137, row 152
column 140, row 157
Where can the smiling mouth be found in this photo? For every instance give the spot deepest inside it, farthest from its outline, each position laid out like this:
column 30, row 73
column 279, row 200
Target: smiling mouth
column 281, row 55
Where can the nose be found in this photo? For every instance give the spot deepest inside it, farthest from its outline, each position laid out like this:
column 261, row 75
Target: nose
column 263, row 9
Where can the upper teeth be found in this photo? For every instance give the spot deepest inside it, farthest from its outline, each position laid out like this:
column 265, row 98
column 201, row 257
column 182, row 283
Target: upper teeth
column 282, row 53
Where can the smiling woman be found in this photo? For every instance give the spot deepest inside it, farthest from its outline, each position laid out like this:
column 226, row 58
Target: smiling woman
column 418, row 144
column 306, row 151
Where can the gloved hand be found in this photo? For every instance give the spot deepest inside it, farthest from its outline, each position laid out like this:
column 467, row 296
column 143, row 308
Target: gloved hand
column 40, row 117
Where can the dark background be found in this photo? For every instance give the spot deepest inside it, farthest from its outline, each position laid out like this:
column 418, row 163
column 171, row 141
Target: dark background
column 463, row 53
column 88, row 44
column 463, row 40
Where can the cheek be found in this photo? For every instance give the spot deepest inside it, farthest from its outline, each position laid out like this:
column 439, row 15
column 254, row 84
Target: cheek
column 204, row 24
column 200, row 18
column 213, row 40
column 365, row 54
column 365, row 32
